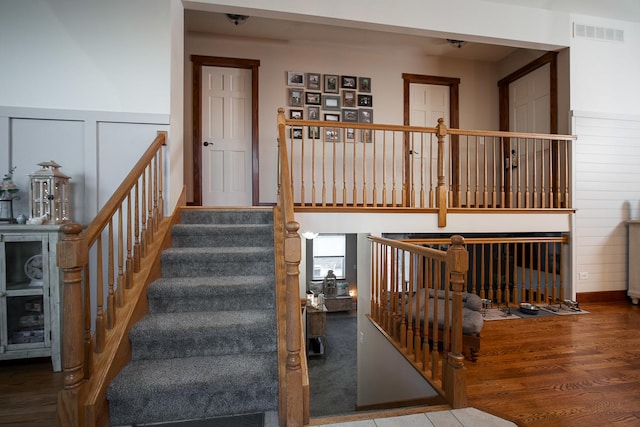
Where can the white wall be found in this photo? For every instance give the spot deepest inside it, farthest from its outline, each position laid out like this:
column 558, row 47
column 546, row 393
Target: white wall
column 477, row 87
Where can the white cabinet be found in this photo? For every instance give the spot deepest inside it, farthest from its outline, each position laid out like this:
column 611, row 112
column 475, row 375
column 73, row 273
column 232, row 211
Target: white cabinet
column 29, row 293
column 634, row 261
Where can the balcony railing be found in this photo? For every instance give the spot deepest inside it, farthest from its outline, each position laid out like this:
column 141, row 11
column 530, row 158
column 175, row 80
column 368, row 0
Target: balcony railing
column 342, row 165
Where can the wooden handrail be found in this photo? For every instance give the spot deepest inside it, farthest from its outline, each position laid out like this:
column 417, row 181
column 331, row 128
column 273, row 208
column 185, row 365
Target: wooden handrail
column 292, row 406
column 91, row 360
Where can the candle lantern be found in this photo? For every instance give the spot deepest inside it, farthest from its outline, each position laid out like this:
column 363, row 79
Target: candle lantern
column 49, row 194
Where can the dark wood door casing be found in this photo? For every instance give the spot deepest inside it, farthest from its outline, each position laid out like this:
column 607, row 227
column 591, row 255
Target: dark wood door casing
column 214, row 61
column 454, row 117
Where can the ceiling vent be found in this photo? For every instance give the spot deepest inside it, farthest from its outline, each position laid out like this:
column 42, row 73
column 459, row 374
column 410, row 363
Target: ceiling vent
column 598, row 33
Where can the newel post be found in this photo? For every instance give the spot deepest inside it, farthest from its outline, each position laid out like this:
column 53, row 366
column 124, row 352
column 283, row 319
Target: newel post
column 71, row 258
column 292, row 255
column 455, row 380
column 441, row 195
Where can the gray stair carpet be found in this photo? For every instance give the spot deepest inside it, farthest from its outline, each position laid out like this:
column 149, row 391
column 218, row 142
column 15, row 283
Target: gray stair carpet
column 205, row 354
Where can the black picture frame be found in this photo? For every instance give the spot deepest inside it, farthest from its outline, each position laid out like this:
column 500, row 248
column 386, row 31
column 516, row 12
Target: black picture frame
column 296, row 133
column 314, row 132
column 349, row 135
column 295, row 114
column 365, row 101
column 349, row 82
column 330, row 117
column 312, row 98
column 332, row 135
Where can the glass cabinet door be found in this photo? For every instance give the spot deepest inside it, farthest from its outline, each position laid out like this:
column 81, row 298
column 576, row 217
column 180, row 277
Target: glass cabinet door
column 24, row 299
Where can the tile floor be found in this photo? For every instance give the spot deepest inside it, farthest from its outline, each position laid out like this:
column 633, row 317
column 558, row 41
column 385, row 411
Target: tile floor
column 467, row 417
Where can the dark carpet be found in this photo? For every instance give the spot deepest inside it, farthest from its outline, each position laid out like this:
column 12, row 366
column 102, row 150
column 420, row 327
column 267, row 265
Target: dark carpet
column 333, row 380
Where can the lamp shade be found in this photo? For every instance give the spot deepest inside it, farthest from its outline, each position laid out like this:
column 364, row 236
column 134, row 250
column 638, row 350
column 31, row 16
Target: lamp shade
column 49, row 194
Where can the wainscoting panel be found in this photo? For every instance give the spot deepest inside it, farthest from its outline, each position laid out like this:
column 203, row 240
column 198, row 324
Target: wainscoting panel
column 96, row 149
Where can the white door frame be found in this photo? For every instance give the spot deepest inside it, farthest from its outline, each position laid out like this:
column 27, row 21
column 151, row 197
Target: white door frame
column 214, row 61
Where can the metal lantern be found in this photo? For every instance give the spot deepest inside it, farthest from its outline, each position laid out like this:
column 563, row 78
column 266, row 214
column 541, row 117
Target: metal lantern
column 49, row 194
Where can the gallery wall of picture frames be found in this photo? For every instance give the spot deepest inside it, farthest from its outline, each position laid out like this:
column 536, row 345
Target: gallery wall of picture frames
column 330, row 97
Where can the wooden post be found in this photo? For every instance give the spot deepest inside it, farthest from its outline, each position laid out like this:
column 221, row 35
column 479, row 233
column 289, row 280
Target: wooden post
column 454, row 381
column 292, row 254
column 71, row 257
column 441, row 195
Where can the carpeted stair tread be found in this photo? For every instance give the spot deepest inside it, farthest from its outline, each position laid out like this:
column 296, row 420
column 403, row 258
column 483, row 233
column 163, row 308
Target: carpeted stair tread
column 172, row 335
column 195, row 387
column 208, row 261
column 185, row 235
column 235, row 216
column 211, row 293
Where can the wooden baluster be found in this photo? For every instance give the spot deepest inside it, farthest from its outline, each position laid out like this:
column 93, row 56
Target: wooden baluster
column 478, row 201
column 324, row 174
column 355, row 179
column 468, row 200
column 514, row 266
column 410, row 293
column 375, row 265
column 538, row 272
column 88, row 344
column 364, row 168
column 111, row 295
column 432, row 188
column 333, row 167
column 120, row 281
column 496, row 176
column 422, row 164
column 441, row 132
column 292, row 161
column 392, row 298
column 143, row 213
column 303, row 161
column 71, row 258
column 483, row 295
column 384, row 169
column 432, row 285
column 160, row 179
column 155, row 218
column 100, row 319
column 393, row 172
column 344, row 171
column 551, row 188
column 374, row 163
column 136, row 229
column 535, row 177
column 129, row 262
column 567, row 176
column 412, row 184
column 543, row 177
column 313, row 170
column 560, row 267
column 417, row 337
column 454, row 378
column 403, row 303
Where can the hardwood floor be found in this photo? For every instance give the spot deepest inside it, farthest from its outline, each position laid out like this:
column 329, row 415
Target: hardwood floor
column 581, row 370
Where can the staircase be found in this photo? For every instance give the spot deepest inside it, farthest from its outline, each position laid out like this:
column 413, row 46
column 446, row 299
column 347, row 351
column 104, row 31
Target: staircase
column 207, row 347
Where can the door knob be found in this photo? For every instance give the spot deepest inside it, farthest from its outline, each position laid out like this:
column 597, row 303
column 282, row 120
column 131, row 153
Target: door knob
column 206, row 143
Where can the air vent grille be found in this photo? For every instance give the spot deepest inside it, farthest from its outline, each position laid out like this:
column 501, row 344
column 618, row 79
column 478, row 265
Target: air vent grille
column 598, row 33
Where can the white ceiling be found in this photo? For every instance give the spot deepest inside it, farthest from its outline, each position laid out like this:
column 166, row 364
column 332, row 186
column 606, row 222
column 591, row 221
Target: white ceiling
column 290, row 31
column 295, row 32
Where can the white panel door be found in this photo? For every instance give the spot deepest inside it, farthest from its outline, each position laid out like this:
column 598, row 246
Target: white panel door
column 226, row 136
column 427, row 103
column 529, row 99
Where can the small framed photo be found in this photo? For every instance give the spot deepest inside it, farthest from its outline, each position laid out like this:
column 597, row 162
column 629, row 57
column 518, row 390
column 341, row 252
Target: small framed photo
column 349, row 115
column 331, row 135
column 350, row 135
column 296, row 133
column 331, row 83
column 348, row 98
column 364, row 84
column 365, row 101
column 331, row 102
column 313, row 113
column 348, row 82
column 312, row 98
column 313, row 81
column 314, row 132
column 366, row 135
column 332, row 117
column 295, row 97
column 295, row 114
column 365, row 115
column 295, row 78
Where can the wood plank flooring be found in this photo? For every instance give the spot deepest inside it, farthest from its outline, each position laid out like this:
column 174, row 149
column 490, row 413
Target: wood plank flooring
column 581, row 370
